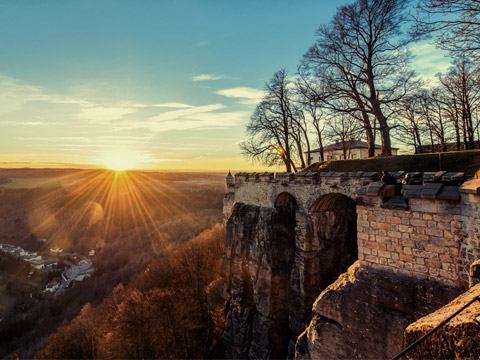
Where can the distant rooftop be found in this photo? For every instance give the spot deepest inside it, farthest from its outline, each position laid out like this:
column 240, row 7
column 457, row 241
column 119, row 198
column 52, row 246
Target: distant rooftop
column 353, row 144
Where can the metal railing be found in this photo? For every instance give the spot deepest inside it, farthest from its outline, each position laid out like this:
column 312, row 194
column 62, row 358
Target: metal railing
column 428, row 334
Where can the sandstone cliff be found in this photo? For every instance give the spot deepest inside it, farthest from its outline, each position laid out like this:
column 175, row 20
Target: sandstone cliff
column 271, row 281
column 365, row 312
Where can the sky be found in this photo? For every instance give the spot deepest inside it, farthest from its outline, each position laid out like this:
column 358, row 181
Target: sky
column 159, row 84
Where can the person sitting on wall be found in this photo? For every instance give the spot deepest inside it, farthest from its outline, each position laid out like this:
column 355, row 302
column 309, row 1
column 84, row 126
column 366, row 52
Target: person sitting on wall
column 387, row 178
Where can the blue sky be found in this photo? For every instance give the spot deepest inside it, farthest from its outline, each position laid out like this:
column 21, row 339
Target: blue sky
column 168, row 83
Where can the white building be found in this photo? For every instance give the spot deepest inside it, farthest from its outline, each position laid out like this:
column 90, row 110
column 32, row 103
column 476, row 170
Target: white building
column 354, row 150
column 56, row 250
column 52, row 286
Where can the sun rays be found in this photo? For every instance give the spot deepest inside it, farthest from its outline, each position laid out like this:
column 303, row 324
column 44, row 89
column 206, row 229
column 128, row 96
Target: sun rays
column 131, row 203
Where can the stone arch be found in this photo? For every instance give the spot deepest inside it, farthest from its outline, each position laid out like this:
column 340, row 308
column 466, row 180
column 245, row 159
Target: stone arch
column 283, row 254
column 334, row 220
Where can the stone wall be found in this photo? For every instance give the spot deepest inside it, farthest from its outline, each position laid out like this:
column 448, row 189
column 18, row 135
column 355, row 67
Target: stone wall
column 262, row 189
column 428, row 233
column 433, row 234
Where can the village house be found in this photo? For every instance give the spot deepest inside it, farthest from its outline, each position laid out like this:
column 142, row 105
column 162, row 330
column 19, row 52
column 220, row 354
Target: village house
column 56, row 250
column 353, row 150
column 52, row 286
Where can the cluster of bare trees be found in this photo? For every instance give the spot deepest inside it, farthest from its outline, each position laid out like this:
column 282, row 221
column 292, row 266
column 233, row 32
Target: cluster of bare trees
column 445, row 117
column 356, row 82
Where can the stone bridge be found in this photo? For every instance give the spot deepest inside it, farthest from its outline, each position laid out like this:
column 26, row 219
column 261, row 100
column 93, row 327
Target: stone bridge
column 288, row 236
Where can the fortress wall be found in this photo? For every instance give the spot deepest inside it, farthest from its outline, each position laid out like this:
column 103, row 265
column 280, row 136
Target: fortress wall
column 470, row 211
column 435, row 236
column 423, row 242
column 262, row 189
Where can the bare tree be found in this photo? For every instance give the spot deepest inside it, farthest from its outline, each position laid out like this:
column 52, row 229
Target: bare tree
column 309, row 99
column 275, row 122
column 410, row 126
column 362, row 52
column 344, row 129
column 462, row 84
column 457, row 23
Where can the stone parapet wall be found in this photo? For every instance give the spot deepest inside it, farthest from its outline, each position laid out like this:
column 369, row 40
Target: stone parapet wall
column 420, row 244
column 435, row 235
column 263, row 188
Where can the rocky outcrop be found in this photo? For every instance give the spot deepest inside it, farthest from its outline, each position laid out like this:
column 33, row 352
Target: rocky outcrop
column 257, row 267
column 272, row 280
column 365, row 312
column 457, row 339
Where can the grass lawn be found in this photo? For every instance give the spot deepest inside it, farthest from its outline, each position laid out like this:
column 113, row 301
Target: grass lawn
column 462, row 161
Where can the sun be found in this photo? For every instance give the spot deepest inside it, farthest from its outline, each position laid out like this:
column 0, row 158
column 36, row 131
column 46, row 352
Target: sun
column 122, row 159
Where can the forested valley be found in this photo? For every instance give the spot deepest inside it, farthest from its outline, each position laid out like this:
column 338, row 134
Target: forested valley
column 158, row 239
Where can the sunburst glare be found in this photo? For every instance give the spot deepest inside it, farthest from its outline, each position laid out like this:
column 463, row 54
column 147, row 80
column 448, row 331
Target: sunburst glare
column 122, row 159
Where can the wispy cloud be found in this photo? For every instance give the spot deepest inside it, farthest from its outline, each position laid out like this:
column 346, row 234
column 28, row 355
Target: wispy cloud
column 249, row 95
column 35, row 123
column 167, row 105
column 100, row 113
column 187, row 113
column 198, row 117
column 207, row 77
column 429, row 61
column 15, row 93
column 203, row 43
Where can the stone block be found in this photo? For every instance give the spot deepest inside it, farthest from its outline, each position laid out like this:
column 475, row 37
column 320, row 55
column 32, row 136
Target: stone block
column 407, row 258
column 448, row 274
column 423, row 205
column 383, row 226
column 393, row 220
column 447, row 234
column 370, row 174
column 471, row 187
column 412, row 191
column 433, row 263
column 448, row 207
column 420, row 261
column 420, row 268
column 430, row 190
column 388, row 191
column 434, row 232
column 394, row 234
column 362, row 236
column 428, row 176
column 375, row 188
column 384, row 254
column 416, row 222
column 449, row 193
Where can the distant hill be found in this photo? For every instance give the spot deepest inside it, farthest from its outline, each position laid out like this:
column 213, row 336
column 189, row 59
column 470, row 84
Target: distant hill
column 462, row 161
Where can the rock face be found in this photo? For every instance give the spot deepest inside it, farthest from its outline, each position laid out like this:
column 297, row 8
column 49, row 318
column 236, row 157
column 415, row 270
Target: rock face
column 457, row 339
column 365, row 312
column 271, row 280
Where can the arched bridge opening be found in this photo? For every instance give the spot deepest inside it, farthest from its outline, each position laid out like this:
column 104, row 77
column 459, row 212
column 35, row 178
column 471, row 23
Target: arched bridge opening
column 283, row 253
column 334, row 220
